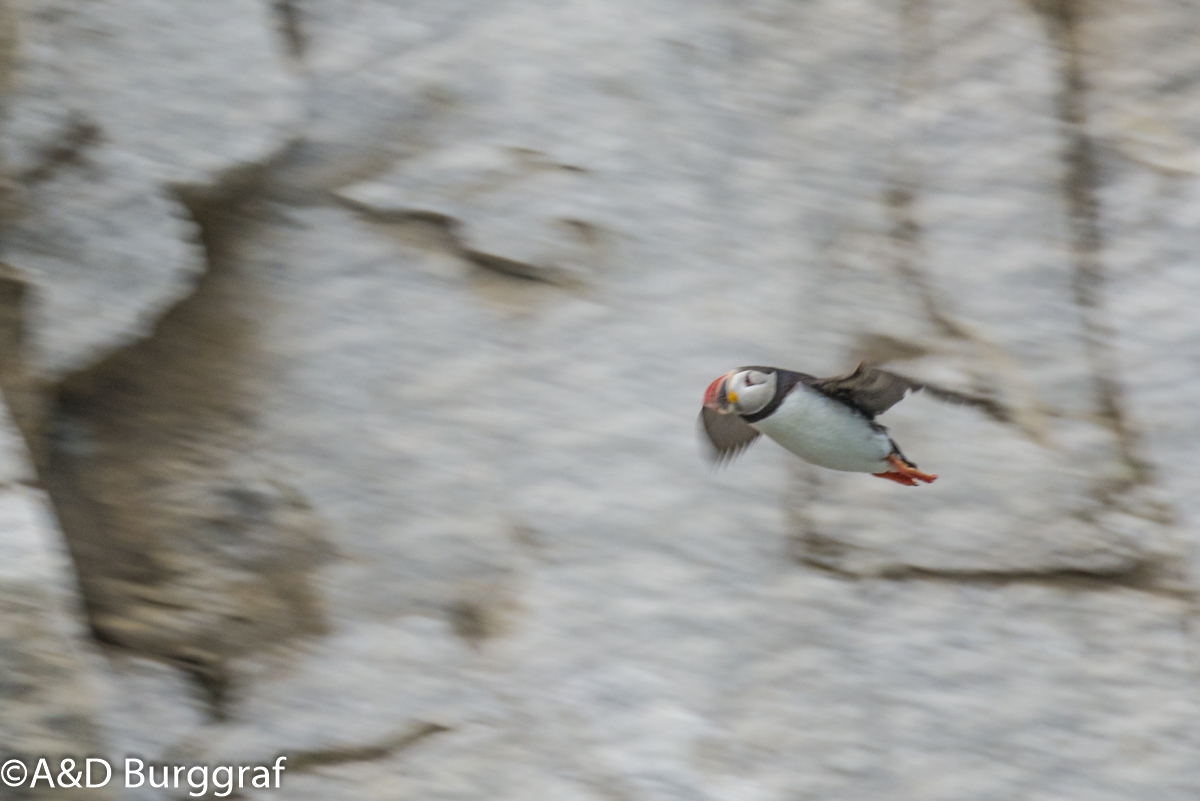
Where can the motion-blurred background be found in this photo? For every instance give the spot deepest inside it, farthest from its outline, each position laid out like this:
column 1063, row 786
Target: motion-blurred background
column 351, row 353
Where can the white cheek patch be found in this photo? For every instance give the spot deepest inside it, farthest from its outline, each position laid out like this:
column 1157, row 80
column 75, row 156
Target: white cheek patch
column 752, row 397
column 755, row 398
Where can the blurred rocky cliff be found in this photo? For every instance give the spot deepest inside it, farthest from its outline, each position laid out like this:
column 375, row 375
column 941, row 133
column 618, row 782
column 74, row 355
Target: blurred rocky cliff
column 351, row 352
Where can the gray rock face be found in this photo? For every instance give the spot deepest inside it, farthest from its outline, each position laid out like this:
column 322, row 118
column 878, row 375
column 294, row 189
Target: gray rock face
column 48, row 686
column 113, row 108
column 407, row 486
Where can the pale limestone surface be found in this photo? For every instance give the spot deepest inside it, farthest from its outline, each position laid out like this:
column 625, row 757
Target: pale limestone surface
column 48, row 668
column 408, row 488
column 113, row 108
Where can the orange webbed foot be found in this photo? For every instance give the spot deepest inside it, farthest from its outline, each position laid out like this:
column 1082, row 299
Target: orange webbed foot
column 899, row 478
column 903, row 474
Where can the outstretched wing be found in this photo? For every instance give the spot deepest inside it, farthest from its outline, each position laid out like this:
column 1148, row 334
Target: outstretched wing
column 867, row 389
column 727, row 433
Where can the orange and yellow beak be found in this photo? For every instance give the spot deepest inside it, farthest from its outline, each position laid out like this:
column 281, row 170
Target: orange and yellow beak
column 716, row 396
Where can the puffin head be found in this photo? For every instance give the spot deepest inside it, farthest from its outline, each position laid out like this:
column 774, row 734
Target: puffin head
column 745, row 390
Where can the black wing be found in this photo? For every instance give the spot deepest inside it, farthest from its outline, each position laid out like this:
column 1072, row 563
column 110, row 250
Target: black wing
column 867, row 389
column 727, row 433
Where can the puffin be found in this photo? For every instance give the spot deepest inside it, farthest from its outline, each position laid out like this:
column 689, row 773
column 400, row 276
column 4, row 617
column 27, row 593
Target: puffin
column 829, row 422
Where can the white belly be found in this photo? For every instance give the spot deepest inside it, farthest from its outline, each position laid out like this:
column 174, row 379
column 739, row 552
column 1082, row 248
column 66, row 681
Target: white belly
column 824, row 432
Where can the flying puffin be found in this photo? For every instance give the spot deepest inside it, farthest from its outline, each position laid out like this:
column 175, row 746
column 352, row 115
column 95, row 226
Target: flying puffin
column 827, row 421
